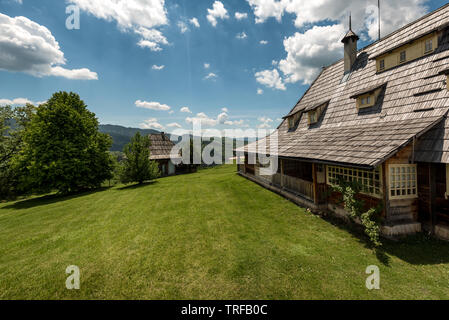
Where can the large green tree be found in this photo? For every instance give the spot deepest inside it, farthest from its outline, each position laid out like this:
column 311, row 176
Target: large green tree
column 137, row 166
column 63, row 149
column 13, row 122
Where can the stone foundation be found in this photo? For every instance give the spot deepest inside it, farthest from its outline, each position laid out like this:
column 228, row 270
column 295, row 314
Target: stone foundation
column 442, row 232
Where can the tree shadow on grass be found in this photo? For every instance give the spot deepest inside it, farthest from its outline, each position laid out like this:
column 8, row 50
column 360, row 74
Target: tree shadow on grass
column 49, row 199
column 416, row 250
column 137, row 186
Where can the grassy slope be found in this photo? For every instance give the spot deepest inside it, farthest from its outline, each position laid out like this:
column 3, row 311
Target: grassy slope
column 210, row 235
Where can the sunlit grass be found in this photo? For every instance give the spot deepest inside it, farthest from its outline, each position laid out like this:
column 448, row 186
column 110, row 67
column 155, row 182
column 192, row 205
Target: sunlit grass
column 210, row 235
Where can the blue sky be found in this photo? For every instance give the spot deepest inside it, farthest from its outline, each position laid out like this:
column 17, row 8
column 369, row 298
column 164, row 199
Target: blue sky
column 113, row 65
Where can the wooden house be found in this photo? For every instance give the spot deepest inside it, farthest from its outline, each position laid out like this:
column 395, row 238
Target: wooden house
column 378, row 117
column 160, row 151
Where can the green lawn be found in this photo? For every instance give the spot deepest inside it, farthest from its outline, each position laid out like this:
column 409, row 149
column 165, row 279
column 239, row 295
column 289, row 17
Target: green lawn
column 210, row 235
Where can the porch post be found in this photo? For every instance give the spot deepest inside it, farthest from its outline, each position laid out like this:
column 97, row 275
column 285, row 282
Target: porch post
column 282, row 173
column 433, row 191
column 315, row 184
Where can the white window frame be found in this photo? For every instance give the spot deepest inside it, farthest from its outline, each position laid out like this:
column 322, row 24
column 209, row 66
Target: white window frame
column 352, row 174
column 428, row 41
column 409, row 191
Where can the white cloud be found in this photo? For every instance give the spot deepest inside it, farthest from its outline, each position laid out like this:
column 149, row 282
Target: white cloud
column 259, row 91
column 183, row 27
column 225, row 110
column 156, row 67
column 206, row 66
column 185, row 110
column 308, row 52
column 242, row 36
column 127, row 13
column 151, row 38
column 241, row 16
column 203, row 120
column 152, row 123
column 174, row 125
column 15, row 102
column 263, row 42
column 218, row 11
column 271, row 79
column 211, row 76
column 195, row 22
column 28, row 47
column 152, row 105
column 364, row 12
column 133, row 15
column 265, row 123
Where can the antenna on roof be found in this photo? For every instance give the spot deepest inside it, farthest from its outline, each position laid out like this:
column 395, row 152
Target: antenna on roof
column 378, row 2
column 350, row 20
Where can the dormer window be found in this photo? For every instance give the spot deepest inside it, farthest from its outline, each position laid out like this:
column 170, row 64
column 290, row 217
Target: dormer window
column 293, row 120
column 316, row 112
column 403, row 56
column 368, row 97
column 428, row 46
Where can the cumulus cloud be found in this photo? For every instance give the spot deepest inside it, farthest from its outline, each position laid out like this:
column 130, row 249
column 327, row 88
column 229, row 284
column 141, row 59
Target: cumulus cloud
column 206, row 65
column 259, row 91
column 364, row 12
column 202, row 119
column 263, row 42
column 241, row 16
column 218, row 11
column 152, row 105
column 156, row 67
column 152, row 123
column 150, row 38
column 308, row 52
column 174, row 125
column 211, row 76
column 15, row 102
column 271, row 79
column 242, row 36
column 185, row 110
column 225, row 110
column 265, row 123
column 320, row 45
column 26, row 46
column 195, row 22
column 183, row 27
column 136, row 15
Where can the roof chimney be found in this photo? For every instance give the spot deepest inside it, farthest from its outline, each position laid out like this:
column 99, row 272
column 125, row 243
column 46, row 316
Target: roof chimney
column 350, row 41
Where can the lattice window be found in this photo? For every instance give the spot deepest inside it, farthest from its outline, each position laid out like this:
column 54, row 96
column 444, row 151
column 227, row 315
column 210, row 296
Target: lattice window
column 370, row 181
column 403, row 181
column 428, row 46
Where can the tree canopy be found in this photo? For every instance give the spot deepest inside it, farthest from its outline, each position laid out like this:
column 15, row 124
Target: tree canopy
column 63, row 149
column 137, row 166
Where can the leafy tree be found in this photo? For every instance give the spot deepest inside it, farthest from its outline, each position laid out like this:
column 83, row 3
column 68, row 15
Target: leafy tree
column 63, row 149
column 12, row 126
column 137, row 166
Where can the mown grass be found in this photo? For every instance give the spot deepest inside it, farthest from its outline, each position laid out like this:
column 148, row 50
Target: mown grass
column 210, row 235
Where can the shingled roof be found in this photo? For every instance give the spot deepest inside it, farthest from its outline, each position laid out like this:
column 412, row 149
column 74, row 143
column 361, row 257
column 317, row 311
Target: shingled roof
column 161, row 146
column 414, row 103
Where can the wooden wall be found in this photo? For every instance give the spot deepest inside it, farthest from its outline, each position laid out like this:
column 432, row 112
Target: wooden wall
column 400, row 209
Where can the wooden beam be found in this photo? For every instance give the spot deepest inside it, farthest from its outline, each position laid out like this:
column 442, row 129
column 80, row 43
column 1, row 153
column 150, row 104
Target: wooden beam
column 315, row 184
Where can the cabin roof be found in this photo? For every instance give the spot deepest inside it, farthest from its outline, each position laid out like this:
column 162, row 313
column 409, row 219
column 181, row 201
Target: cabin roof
column 413, row 102
column 161, row 146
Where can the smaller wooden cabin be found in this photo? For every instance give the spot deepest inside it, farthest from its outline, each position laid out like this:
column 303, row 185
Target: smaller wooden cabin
column 160, row 151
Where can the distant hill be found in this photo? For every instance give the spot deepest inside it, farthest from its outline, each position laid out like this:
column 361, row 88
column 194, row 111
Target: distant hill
column 121, row 136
